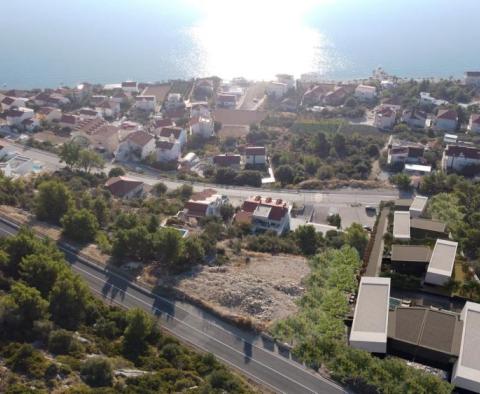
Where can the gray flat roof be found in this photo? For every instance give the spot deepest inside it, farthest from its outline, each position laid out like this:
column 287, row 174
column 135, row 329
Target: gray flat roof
column 443, row 257
column 401, row 225
column 371, row 311
column 411, row 253
column 262, row 211
column 419, row 203
column 428, row 225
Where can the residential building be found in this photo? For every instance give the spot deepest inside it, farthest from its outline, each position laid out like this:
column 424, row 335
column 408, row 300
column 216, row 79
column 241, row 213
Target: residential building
column 105, row 139
column 415, row 118
column 202, row 126
column 97, row 99
column 276, row 89
column 450, row 138
column 404, row 151
column 385, row 117
column 474, row 123
column 336, row 97
column 417, row 169
column 205, row 203
column 472, row 78
column 49, row 114
column 136, row 146
column 10, row 102
column 458, row 157
column 68, row 121
column 314, row 95
column 255, row 155
column 401, row 225
column 124, row 187
column 370, row 319
column 466, row 370
column 119, row 97
column 365, row 92
column 188, row 161
column 441, row 263
column 174, row 101
column 418, row 206
column 204, row 87
column 427, row 99
column 146, row 103
column 200, row 109
column 446, row 120
column 168, row 150
column 109, row 108
column 227, row 160
column 88, row 113
column 15, row 116
column 17, row 165
column 30, row 124
column 426, row 228
column 130, row 87
column 265, row 214
column 226, row 100
column 177, row 133
column 410, row 259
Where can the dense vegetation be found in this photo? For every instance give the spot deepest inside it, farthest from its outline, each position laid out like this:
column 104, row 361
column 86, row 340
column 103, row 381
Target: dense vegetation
column 55, row 336
column 318, row 334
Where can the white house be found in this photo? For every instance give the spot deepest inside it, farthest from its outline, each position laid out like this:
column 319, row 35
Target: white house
column 466, row 370
column 384, row 117
column 205, row 203
column 130, row 87
column 49, row 114
column 474, row 123
column 179, row 134
column 446, row 120
column 370, row 319
column 109, row 108
column 404, row 151
column 146, row 103
column 255, row 155
column 365, row 92
column 418, row 206
column 427, row 99
column 10, row 102
column 457, row 157
column 276, row 89
column 265, row 214
column 202, row 126
column 415, row 118
column 168, row 150
column 441, row 263
column 136, row 146
column 401, row 225
column 472, row 78
column 15, row 116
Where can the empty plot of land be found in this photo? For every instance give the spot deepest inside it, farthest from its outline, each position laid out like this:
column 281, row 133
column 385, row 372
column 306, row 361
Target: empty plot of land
column 233, row 131
column 238, row 116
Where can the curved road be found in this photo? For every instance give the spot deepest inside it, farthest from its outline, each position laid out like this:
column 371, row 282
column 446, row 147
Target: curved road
column 253, row 355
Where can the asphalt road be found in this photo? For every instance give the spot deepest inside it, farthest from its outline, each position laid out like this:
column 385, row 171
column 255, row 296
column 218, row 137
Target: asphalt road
column 249, row 353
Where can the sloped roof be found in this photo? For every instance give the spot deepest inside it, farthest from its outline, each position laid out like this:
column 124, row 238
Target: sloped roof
column 120, row 186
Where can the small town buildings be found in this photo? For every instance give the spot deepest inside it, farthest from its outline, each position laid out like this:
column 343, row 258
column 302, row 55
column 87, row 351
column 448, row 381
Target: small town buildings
column 474, row 123
column 472, row 78
column 15, row 116
column 49, row 114
column 204, row 88
column 88, row 113
column 417, row 169
column 385, row 117
column 225, row 100
column 265, row 214
column 227, row 160
column 205, row 203
column 450, row 138
column 51, row 99
column 400, row 151
column 365, row 92
column 276, row 89
column 466, row 370
column 446, row 120
column 124, row 187
column 255, row 155
column 188, row 161
column 441, row 263
column 336, row 97
column 401, row 225
column 10, row 102
column 427, row 99
column 136, row 146
column 109, row 108
column 410, row 259
column 370, row 319
column 427, row 228
column 130, row 87
column 68, row 121
column 174, row 101
column 168, row 150
column 415, row 118
column 202, row 126
column 314, row 95
column 145, row 103
column 418, row 206
column 119, row 96
column 458, row 157
column 173, row 132
column 200, row 109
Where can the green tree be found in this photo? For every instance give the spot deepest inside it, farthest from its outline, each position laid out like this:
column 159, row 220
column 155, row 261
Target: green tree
column 41, row 271
column 307, row 239
column 97, row 372
column 159, row 189
column 168, row 245
column 139, row 328
column 285, row 174
column 89, row 160
column 356, row 237
column 70, row 154
column 52, row 201
column 335, row 220
column 101, row 210
column 153, row 223
column 63, row 342
column 320, row 145
column 249, row 177
column 402, row 180
column 80, row 225
column 116, row 171
column 226, row 212
column 192, row 252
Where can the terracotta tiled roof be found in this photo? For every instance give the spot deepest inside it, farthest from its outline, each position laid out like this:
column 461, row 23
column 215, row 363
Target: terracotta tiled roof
column 168, row 131
column 447, row 114
column 226, row 160
column 196, row 209
column 140, row 138
column 465, row 151
column 120, row 186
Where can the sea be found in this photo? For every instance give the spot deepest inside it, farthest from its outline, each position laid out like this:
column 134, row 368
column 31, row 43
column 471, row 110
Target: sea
column 49, row 43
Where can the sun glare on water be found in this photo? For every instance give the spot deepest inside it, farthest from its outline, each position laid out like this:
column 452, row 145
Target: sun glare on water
column 258, row 38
